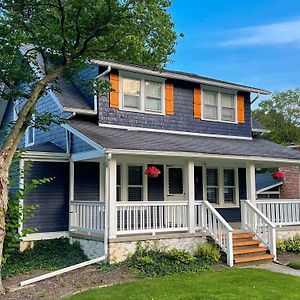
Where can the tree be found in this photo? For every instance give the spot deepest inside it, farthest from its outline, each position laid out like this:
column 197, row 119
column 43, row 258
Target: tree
column 281, row 115
column 64, row 35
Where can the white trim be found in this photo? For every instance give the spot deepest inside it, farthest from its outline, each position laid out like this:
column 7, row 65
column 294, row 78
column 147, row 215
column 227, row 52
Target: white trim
column 219, row 92
column 30, row 127
column 203, row 155
column 71, row 190
column 134, row 128
column 87, row 155
column 83, row 137
column 80, row 111
column 166, row 74
column 45, row 236
column 142, row 97
column 256, row 130
column 46, row 156
column 21, row 200
column 268, row 187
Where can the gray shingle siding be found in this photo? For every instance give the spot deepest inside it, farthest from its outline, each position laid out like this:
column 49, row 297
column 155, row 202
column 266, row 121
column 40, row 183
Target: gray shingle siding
column 182, row 120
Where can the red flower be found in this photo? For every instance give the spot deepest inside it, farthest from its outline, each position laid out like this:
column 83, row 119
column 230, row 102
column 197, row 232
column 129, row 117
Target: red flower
column 152, row 171
column 278, row 175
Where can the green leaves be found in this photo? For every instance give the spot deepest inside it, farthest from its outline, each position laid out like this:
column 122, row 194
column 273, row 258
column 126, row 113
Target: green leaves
column 281, row 115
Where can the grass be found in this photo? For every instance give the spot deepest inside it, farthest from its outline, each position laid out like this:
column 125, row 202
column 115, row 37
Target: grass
column 295, row 264
column 46, row 254
column 226, row 284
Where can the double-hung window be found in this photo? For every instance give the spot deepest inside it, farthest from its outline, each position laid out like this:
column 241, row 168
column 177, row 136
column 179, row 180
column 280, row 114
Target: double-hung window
column 212, row 185
column 229, row 185
column 135, row 183
column 219, row 105
column 142, row 94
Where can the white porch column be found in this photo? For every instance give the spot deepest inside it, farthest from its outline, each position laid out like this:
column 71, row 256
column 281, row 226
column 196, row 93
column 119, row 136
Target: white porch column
column 190, row 184
column 299, row 179
column 110, row 196
column 250, row 179
column 71, row 191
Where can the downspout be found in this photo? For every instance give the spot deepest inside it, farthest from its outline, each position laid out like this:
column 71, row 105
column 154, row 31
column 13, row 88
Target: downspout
column 255, row 98
column 105, row 238
column 95, row 79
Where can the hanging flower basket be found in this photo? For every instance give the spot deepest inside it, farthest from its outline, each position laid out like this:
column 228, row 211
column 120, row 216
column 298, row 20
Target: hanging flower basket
column 152, row 172
column 278, row 175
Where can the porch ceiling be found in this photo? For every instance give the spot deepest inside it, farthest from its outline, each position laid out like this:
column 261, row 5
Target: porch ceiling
column 118, row 140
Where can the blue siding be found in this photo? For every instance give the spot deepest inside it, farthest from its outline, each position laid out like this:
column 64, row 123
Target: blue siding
column 182, row 120
column 78, row 145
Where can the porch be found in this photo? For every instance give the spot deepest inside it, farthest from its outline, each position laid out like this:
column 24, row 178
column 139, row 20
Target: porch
column 188, row 197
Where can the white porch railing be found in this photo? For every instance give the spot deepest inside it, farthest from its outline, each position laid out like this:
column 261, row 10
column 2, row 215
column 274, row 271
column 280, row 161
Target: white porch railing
column 151, row 217
column 281, row 211
column 214, row 224
column 255, row 221
column 87, row 216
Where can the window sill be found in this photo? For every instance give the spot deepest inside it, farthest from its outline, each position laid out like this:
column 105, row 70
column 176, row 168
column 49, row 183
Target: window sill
column 142, row 111
column 219, row 121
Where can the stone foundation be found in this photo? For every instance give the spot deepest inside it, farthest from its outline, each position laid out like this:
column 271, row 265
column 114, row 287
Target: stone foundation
column 91, row 248
column 283, row 233
column 120, row 248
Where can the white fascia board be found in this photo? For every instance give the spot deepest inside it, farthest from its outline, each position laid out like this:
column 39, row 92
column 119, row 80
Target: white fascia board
column 204, row 155
column 261, row 130
column 80, row 111
column 83, row 137
column 134, row 128
column 87, row 155
column 183, row 77
column 269, row 187
column 45, row 156
column 44, row 236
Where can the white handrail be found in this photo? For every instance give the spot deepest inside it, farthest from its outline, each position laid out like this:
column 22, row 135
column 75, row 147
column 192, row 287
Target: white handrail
column 281, row 211
column 219, row 229
column 254, row 220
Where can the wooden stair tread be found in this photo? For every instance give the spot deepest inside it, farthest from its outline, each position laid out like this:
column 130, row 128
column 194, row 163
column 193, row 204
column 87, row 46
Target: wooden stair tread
column 243, row 236
column 249, row 250
column 253, row 258
column 246, row 243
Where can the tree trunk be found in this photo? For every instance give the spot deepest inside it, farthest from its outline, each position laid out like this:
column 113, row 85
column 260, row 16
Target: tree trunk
column 4, row 181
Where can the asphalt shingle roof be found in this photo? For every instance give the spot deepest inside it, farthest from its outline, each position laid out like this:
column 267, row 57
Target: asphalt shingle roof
column 265, row 180
column 112, row 138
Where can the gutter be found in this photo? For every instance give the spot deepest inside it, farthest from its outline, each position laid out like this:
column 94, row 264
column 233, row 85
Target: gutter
column 173, row 75
column 95, row 94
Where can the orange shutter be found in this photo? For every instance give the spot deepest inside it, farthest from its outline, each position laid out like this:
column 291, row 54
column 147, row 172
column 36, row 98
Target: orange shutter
column 169, row 96
column 114, row 93
column 197, row 103
column 241, row 108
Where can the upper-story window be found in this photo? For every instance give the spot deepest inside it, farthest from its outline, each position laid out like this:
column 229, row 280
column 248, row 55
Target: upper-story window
column 142, row 94
column 219, row 106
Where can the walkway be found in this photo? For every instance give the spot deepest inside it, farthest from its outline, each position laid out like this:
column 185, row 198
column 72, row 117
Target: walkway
column 279, row 269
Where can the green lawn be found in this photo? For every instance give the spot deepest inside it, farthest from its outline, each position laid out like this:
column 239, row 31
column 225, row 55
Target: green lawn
column 226, row 284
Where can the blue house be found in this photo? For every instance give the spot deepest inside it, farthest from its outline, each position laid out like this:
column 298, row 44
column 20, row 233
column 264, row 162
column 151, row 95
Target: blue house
column 198, row 134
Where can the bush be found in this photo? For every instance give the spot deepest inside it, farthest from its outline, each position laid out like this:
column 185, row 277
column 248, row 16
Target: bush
column 293, row 244
column 46, row 254
column 280, row 246
column 294, row 264
column 153, row 260
column 208, row 252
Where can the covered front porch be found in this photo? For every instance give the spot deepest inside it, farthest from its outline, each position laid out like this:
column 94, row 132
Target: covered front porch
column 211, row 196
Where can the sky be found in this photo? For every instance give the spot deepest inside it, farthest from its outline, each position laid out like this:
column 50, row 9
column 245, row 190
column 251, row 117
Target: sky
column 253, row 42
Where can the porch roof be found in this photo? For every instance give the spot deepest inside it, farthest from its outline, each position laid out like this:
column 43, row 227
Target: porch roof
column 115, row 138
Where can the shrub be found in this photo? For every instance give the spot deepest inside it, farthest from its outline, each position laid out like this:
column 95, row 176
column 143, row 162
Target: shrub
column 208, row 252
column 46, row 254
column 293, row 244
column 294, row 264
column 280, row 246
column 151, row 260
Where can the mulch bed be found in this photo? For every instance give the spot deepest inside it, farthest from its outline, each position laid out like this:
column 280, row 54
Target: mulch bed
column 66, row 284
column 287, row 256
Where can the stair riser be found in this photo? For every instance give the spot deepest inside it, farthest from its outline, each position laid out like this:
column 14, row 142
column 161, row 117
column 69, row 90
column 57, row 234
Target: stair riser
column 254, row 263
column 249, row 254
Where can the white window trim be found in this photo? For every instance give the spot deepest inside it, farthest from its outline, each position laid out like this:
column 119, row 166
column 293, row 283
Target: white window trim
column 219, row 102
column 221, row 202
column 142, row 79
column 27, row 144
column 168, row 196
column 143, row 186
